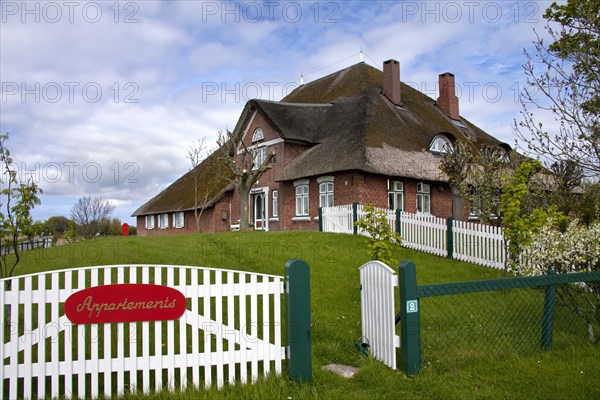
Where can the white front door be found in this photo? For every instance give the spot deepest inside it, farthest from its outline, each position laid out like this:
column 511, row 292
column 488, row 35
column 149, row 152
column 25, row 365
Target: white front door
column 258, row 207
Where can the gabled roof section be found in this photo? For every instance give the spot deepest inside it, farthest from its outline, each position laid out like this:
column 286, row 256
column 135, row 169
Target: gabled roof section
column 214, row 179
column 297, row 122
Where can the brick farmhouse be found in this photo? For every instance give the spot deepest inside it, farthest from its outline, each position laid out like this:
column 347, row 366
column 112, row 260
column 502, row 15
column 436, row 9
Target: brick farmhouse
column 357, row 135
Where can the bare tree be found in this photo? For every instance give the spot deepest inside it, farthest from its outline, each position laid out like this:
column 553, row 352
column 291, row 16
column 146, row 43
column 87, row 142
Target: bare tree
column 88, row 213
column 196, row 154
column 247, row 166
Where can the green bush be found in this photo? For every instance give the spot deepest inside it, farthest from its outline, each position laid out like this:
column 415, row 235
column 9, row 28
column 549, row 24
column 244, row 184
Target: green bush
column 382, row 237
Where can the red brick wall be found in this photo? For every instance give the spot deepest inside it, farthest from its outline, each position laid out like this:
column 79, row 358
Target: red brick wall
column 210, row 221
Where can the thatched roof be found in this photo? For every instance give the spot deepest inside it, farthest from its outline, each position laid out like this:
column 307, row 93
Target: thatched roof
column 353, row 126
column 214, row 179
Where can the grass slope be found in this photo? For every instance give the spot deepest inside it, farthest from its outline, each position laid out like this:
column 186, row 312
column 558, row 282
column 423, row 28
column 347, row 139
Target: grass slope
column 334, row 260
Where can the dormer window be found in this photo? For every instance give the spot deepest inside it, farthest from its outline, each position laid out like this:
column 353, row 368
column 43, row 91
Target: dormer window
column 257, row 135
column 440, row 145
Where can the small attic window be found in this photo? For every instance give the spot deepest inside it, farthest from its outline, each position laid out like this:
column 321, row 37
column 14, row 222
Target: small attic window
column 258, row 135
column 439, row 145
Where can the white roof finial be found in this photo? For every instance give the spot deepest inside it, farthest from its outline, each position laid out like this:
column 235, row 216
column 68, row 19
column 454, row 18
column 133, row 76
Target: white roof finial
column 301, row 78
column 362, row 58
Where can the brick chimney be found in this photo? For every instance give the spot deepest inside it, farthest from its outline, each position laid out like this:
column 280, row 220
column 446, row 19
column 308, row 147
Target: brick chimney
column 448, row 102
column 391, row 81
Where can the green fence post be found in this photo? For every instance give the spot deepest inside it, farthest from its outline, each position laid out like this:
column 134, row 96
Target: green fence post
column 410, row 322
column 399, row 222
column 297, row 283
column 354, row 217
column 450, row 237
column 320, row 219
column 548, row 315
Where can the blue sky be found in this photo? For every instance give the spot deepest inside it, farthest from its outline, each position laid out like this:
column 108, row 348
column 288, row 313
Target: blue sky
column 104, row 98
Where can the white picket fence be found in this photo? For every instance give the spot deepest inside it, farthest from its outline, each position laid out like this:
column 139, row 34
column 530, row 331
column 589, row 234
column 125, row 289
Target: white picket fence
column 424, row 232
column 378, row 317
column 229, row 332
column 471, row 242
column 479, row 244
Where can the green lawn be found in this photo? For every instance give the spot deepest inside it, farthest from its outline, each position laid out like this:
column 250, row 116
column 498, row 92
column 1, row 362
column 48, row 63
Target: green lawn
column 569, row 372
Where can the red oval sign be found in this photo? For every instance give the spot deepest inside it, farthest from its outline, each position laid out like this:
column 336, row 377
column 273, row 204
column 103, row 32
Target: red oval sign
column 128, row 302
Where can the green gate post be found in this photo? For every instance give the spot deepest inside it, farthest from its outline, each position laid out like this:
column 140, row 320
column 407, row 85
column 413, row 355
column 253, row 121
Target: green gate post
column 297, row 284
column 354, row 217
column 410, row 323
column 450, row 237
column 320, row 219
column 548, row 315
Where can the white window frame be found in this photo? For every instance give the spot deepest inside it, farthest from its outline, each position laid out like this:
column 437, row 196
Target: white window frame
column 260, row 155
column 149, row 221
column 395, row 195
column 163, row 221
column 423, row 198
column 302, row 198
column 440, row 145
column 275, row 199
column 258, row 135
column 326, row 191
column 178, row 220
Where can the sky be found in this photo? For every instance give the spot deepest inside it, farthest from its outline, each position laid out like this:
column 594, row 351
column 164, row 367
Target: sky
column 105, row 98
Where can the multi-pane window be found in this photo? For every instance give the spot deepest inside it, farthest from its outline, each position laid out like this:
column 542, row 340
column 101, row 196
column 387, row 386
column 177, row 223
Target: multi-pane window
column 302, row 200
column 163, row 221
column 440, row 145
column 326, row 194
column 258, row 135
column 178, row 220
column 260, row 154
column 423, row 198
column 149, row 221
column 275, row 197
column 396, row 195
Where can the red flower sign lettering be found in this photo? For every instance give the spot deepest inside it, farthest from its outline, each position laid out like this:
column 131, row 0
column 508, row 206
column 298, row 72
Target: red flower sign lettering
column 128, row 302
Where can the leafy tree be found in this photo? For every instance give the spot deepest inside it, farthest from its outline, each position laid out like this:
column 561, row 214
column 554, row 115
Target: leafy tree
column 382, row 238
column 116, row 227
column 520, row 222
column 88, row 214
column 589, row 206
column 56, row 226
column 508, row 189
column 480, row 177
column 246, row 169
column 71, row 234
column 16, row 202
column 564, row 79
column 33, row 229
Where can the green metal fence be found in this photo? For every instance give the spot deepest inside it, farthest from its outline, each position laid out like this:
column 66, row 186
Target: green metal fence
column 463, row 322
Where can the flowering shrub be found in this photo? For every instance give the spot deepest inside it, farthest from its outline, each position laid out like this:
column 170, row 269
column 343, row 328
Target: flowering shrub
column 575, row 250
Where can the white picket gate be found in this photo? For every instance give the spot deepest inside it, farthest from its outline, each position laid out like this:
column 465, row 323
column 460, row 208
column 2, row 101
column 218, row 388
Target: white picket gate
column 338, row 219
column 378, row 317
column 229, row 332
